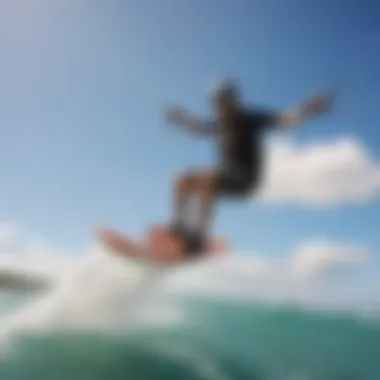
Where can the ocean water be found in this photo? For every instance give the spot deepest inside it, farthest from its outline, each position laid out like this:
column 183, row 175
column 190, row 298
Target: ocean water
column 114, row 321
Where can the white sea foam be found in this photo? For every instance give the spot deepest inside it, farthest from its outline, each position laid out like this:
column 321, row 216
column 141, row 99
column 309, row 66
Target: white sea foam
column 96, row 289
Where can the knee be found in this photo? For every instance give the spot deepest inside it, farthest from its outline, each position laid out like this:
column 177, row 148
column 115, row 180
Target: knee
column 185, row 181
column 208, row 181
column 196, row 181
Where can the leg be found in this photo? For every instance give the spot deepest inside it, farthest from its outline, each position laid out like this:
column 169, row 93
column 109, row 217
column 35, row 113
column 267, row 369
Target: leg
column 207, row 186
column 204, row 186
column 183, row 191
column 178, row 226
column 201, row 184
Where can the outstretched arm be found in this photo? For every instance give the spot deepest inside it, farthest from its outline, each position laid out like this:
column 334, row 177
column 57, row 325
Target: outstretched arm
column 316, row 105
column 181, row 119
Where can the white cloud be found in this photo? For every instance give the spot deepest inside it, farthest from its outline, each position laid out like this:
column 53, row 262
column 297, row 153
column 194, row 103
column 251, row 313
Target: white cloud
column 320, row 258
column 308, row 267
column 326, row 173
column 27, row 263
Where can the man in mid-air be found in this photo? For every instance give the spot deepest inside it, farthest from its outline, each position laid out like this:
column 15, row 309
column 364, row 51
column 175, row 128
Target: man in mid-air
column 238, row 132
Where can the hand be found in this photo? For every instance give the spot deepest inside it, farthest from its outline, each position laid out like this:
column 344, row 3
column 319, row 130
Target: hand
column 175, row 115
column 319, row 103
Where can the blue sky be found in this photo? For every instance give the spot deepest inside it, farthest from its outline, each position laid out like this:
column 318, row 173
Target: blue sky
column 84, row 85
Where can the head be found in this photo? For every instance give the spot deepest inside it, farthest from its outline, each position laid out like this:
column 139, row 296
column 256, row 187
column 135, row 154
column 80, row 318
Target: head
column 225, row 97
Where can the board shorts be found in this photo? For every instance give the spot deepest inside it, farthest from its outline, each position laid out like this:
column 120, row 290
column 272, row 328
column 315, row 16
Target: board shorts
column 237, row 181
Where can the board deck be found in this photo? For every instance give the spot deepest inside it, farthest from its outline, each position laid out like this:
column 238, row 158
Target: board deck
column 159, row 247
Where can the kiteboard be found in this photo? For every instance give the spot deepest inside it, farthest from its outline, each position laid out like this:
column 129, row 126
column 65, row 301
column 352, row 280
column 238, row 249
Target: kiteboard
column 159, row 246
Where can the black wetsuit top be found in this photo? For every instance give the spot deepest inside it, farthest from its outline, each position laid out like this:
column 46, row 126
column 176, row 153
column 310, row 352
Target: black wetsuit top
column 240, row 147
column 240, row 137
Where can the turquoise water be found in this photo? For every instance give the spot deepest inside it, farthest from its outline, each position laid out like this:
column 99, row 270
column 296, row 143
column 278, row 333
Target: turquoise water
column 215, row 340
